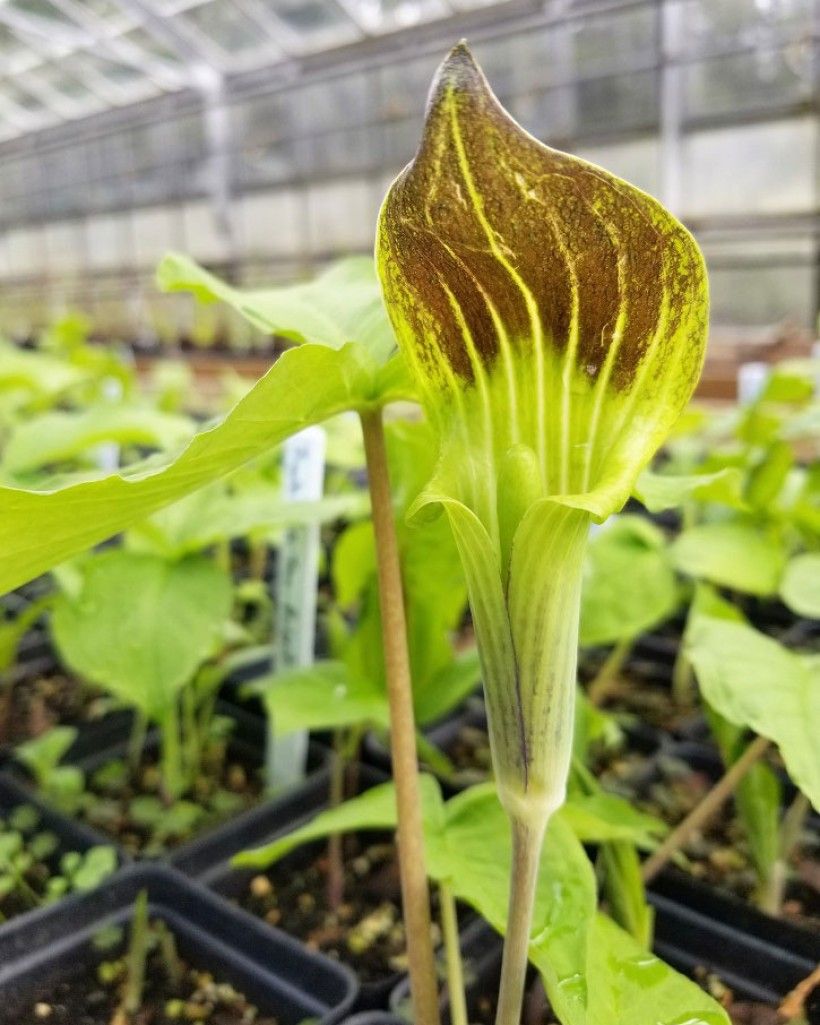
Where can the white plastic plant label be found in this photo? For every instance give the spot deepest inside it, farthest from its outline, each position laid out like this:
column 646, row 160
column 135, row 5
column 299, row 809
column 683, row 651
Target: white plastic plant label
column 303, row 473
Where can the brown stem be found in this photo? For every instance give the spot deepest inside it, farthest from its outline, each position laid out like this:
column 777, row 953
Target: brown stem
column 414, row 889
column 708, row 807
column 335, row 858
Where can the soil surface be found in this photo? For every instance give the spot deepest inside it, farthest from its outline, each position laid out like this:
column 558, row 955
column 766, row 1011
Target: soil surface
column 116, row 803
column 365, row 931
column 92, row 996
column 31, row 706
column 720, row 855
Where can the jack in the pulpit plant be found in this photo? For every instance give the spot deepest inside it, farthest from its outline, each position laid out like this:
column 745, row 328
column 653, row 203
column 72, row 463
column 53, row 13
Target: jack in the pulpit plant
column 555, row 319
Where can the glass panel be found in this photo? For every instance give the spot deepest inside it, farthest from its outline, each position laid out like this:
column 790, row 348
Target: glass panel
column 309, row 17
column 43, row 9
column 711, row 25
column 226, row 26
column 58, row 78
column 149, row 43
column 331, row 104
column 748, row 81
column 119, row 73
column 22, row 98
column 612, row 42
column 618, row 102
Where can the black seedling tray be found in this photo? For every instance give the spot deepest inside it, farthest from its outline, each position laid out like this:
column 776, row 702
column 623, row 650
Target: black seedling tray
column 268, row 967
column 760, row 958
column 101, row 742
column 375, row 1018
column 269, row 823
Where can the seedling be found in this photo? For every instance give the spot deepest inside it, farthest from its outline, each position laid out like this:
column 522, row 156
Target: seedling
column 29, row 876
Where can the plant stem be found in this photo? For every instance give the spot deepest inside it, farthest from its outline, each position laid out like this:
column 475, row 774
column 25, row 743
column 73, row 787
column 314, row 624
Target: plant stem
column 708, row 807
column 527, row 839
column 601, row 687
column 137, row 955
column 773, row 888
column 172, row 784
column 415, row 893
column 452, row 950
column 683, row 680
column 335, row 860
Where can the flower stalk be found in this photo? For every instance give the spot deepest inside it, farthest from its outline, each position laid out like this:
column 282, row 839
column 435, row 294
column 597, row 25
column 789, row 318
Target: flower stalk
column 414, row 887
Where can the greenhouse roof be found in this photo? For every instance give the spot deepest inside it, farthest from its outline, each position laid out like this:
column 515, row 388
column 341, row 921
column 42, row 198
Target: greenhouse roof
column 65, row 59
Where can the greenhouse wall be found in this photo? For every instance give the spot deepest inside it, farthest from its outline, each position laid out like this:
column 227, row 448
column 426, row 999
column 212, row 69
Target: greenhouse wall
column 687, row 99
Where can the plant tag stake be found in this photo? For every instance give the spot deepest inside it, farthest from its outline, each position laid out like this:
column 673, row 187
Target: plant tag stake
column 304, row 468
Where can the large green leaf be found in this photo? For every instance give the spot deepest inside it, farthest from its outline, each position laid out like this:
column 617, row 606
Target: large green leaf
column 754, row 681
column 141, row 625
column 800, row 586
column 218, row 513
column 658, row 491
column 341, row 305
column 323, row 696
column 628, row 986
column 306, row 385
column 731, row 554
column 60, row 437
column 629, row 584
column 36, row 372
column 587, row 962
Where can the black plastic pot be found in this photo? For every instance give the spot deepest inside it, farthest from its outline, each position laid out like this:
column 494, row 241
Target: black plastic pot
column 101, row 742
column 213, row 867
column 760, row 957
column 269, row 968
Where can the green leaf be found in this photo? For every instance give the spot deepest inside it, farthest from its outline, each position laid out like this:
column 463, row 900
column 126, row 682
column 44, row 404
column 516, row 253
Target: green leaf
column 800, row 586
column 341, row 305
column 629, row 585
column 175, row 615
column 659, row 491
column 44, row 753
column 755, row 682
column 448, row 687
column 215, row 513
column 628, row 986
column 61, row 437
column 97, row 864
column 731, row 554
column 600, row 817
column 36, row 372
column 374, row 809
column 306, row 385
column 323, row 696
